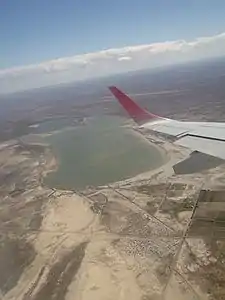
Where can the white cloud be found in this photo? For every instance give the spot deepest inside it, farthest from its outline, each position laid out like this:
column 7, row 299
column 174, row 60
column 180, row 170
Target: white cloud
column 109, row 61
column 124, row 58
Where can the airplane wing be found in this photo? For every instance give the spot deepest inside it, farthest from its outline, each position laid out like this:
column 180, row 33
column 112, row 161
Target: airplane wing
column 205, row 137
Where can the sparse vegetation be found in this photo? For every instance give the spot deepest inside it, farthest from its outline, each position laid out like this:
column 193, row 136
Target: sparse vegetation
column 150, row 190
column 211, row 276
column 18, row 215
column 15, row 255
column 173, row 207
column 61, row 275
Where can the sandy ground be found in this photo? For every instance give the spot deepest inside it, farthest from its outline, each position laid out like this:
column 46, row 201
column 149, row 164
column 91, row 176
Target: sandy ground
column 127, row 240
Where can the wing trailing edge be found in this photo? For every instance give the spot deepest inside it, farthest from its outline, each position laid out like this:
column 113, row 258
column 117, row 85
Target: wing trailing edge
column 138, row 114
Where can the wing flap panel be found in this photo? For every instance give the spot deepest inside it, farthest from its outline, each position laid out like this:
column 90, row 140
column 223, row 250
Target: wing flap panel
column 211, row 147
column 169, row 127
column 210, row 132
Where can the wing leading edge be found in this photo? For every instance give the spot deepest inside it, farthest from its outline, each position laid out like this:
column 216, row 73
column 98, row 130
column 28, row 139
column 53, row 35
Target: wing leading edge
column 205, row 137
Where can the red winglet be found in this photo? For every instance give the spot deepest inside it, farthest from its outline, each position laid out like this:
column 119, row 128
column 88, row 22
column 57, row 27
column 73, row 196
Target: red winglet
column 137, row 113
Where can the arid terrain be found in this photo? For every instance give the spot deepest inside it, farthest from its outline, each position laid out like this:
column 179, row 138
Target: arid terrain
column 155, row 236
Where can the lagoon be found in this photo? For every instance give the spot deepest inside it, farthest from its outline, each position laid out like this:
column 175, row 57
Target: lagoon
column 101, row 152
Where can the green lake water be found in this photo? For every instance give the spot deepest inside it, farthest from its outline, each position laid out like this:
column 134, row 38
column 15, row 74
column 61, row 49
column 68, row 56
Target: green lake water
column 98, row 153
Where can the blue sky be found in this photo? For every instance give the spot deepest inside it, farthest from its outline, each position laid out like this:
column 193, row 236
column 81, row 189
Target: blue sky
column 33, row 31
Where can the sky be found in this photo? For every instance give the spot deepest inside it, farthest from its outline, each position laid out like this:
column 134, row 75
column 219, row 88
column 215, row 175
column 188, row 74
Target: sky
column 45, row 42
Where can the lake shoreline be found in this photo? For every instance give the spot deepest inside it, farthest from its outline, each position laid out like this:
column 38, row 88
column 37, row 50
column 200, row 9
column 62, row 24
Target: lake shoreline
column 164, row 155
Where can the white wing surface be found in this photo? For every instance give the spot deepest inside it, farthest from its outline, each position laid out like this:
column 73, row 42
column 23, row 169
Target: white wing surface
column 205, row 137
